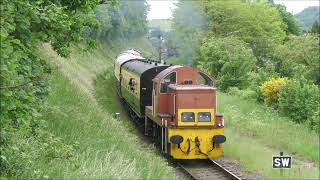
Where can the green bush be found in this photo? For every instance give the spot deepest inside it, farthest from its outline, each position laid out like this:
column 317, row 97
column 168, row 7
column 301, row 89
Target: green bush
column 300, row 101
column 314, row 122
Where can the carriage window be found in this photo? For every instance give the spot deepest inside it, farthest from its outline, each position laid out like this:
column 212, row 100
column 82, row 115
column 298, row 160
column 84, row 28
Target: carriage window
column 132, row 84
column 204, row 116
column 187, row 117
column 170, row 79
column 204, row 79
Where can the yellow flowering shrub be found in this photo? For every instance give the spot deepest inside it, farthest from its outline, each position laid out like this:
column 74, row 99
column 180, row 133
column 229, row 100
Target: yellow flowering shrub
column 271, row 88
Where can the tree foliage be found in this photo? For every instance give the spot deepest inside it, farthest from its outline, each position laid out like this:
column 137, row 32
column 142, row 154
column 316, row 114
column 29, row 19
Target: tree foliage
column 247, row 21
column 258, row 24
column 127, row 20
column 189, row 27
column 315, row 28
column 292, row 25
column 24, row 24
column 228, row 60
column 300, row 101
column 299, row 58
column 24, row 75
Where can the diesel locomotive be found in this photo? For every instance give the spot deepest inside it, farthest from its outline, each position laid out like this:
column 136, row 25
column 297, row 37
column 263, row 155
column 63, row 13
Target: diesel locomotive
column 176, row 105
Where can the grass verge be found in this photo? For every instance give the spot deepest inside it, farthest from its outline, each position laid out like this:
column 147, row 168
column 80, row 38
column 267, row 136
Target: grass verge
column 256, row 133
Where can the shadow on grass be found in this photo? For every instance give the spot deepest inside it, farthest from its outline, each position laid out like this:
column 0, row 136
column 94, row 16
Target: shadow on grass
column 106, row 95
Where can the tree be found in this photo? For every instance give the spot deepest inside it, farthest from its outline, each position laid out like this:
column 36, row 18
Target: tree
column 315, row 28
column 292, row 25
column 189, row 27
column 135, row 17
column 128, row 19
column 299, row 58
column 25, row 24
column 228, row 60
column 248, row 21
column 24, row 86
column 258, row 24
column 102, row 13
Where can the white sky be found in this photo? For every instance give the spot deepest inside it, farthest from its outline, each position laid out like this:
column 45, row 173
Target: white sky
column 162, row 9
column 296, row 6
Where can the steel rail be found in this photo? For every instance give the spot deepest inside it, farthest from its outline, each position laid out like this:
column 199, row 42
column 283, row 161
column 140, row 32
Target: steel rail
column 185, row 170
column 206, row 169
column 225, row 170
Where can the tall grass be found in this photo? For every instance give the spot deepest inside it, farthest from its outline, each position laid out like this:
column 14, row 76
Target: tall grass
column 255, row 156
column 255, row 120
column 255, row 133
column 106, row 96
column 103, row 147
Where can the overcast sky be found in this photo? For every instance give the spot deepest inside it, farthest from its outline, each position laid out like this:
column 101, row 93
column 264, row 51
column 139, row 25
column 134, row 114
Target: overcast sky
column 162, row 9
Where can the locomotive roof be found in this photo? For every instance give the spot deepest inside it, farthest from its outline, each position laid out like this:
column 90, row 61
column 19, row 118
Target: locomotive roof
column 140, row 67
column 190, row 87
column 128, row 55
column 166, row 71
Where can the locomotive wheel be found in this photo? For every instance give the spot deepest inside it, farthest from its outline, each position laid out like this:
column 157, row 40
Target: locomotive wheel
column 148, row 127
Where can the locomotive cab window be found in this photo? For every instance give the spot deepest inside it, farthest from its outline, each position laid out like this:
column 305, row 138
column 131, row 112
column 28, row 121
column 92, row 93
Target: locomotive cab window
column 204, row 79
column 170, row 79
column 187, row 117
column 204, row 116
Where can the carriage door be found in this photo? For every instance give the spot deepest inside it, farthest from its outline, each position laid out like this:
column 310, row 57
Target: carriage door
column 154, row 98
column 118, row 83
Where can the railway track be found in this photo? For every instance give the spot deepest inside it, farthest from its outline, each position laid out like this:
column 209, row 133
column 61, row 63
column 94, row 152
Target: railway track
column 206, row 169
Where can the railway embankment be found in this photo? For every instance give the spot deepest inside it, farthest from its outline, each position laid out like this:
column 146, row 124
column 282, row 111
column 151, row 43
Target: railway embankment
column 102, row 148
